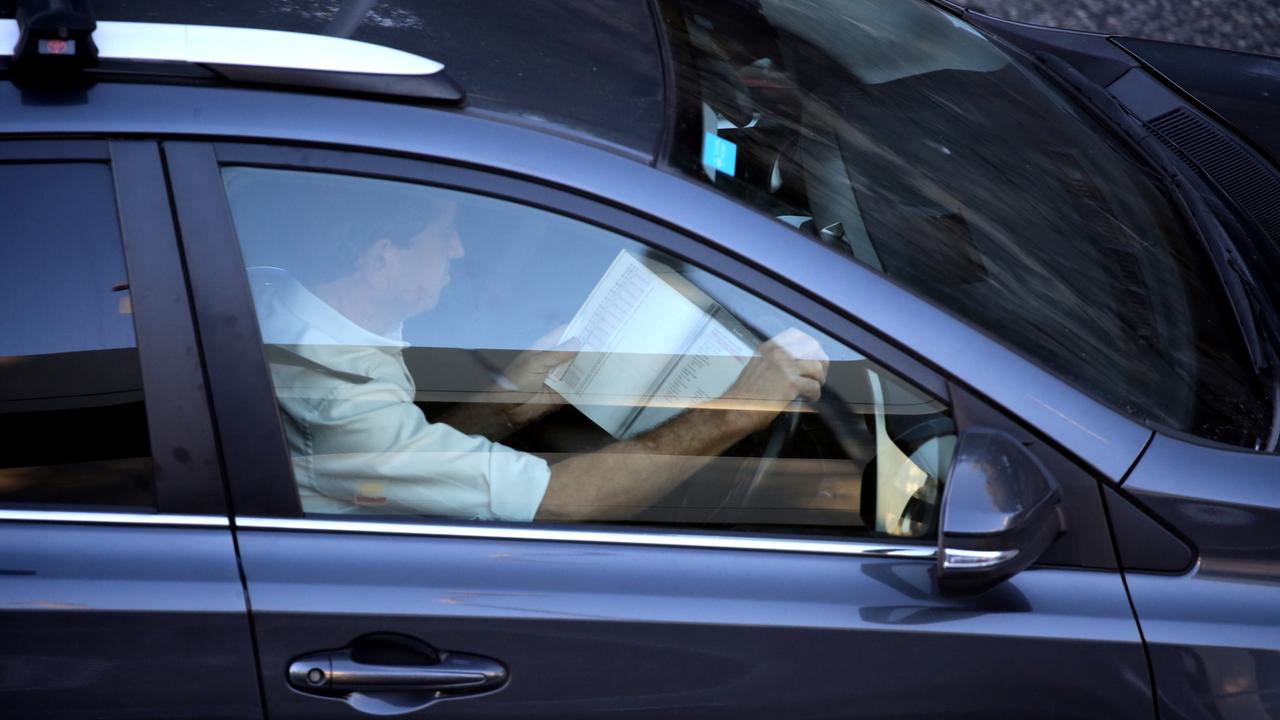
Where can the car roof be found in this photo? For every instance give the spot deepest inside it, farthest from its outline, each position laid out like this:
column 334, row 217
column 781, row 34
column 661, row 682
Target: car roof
column 593, row 68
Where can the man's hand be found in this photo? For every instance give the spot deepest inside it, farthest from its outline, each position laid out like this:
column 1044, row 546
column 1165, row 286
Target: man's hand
column 524, row 397
column 529, row 370
column 630, row 474
column 527, row 374
column 790, row 365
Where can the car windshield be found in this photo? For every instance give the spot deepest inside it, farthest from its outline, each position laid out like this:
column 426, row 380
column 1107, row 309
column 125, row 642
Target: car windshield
column 906, row 138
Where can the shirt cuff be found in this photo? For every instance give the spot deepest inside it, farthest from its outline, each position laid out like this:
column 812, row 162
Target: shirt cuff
column 517, row 482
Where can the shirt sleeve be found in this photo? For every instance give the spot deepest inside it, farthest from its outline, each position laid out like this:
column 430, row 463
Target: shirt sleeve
column 371, row 449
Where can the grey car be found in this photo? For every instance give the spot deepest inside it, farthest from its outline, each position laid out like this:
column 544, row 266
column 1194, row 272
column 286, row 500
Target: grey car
column 788, row 359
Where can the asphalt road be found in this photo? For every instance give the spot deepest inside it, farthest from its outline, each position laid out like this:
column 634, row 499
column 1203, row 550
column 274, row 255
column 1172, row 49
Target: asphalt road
column 1249, row 25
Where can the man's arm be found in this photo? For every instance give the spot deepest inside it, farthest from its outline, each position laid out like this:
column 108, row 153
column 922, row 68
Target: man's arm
column 524, row 398
column 631, row 474
column 493, row 421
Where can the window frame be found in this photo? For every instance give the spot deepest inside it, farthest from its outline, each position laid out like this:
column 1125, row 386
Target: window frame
column 259, row 468
column 260, row 473
column 186, row 472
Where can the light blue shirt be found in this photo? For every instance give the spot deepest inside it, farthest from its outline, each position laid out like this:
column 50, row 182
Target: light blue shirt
column 359, row 444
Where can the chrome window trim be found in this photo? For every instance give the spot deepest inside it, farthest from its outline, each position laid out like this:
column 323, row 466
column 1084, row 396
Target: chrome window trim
column 953, row 559
column 612, row 537
column 111, row 518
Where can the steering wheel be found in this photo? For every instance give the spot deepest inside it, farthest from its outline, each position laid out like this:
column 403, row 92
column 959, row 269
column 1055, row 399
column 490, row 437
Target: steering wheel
column 839, row 420
column 776, row 437
column 849, row 430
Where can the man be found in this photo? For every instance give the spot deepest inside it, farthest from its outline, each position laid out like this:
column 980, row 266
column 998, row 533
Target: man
column 358, row 441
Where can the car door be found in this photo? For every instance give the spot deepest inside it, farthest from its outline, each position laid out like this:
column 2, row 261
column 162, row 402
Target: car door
column 727, row 597
column 120, row 594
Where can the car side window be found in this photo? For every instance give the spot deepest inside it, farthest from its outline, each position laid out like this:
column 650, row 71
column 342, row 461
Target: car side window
column 71, row 408
column 449, row 355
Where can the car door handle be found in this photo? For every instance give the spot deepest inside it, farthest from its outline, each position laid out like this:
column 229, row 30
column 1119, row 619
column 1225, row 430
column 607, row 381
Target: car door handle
column 394, row 666
column 339, row 673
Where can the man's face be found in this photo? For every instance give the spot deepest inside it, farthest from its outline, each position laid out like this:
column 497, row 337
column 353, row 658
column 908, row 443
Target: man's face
column 420, row 269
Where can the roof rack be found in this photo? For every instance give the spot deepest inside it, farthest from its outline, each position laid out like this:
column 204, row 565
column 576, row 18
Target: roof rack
column 56, row 45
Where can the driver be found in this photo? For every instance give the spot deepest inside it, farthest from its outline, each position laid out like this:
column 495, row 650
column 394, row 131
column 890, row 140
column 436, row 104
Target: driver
column 359, row 444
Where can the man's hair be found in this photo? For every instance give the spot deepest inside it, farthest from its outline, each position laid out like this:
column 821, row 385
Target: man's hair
column 316, row 225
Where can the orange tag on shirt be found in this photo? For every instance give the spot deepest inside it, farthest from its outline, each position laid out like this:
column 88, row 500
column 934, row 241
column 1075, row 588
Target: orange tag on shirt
column 371, row 494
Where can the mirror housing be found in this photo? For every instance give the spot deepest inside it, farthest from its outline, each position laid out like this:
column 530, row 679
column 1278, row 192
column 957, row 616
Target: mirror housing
column 1000, row 512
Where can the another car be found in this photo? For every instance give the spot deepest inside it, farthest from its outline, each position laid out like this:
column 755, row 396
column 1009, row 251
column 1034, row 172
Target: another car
column 681, row 359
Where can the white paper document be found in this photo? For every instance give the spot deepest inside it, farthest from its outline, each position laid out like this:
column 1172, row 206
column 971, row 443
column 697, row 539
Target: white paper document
column 652, row 345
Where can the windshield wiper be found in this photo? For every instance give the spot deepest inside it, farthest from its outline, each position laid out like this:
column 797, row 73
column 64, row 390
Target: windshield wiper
column 1258, row 319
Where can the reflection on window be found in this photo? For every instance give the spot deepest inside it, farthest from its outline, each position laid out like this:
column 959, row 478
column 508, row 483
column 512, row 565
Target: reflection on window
column 71, row 409
column 900, row 135
column 447, row 355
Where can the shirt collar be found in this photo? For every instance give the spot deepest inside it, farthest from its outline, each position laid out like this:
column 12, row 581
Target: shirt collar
column 290, row 314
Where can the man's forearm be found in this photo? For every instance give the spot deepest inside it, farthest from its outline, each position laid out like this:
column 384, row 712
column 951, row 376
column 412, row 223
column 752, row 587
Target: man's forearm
column 497, row 420
column 489, row 420
column 629, row 475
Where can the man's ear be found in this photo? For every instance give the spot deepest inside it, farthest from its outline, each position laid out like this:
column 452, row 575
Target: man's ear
column 376, row 262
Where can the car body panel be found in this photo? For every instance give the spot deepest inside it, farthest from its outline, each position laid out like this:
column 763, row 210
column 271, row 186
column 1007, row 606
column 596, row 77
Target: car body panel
column 1239, row 87
column 608, row 630
column 111, row 621
column 1213, row 633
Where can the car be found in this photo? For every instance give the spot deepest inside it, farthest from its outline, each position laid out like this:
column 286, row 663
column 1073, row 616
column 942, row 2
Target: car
column 685, row 359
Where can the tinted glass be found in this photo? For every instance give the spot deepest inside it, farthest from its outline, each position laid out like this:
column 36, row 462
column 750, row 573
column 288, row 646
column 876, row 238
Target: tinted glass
column 71, row 411
column 449, row 355
column 593, row 67
column 901, row 135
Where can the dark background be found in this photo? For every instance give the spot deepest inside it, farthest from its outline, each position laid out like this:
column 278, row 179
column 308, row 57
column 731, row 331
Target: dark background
column 1249, row 25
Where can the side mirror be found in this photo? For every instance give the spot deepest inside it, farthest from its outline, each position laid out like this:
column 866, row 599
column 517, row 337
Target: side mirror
column 1000, row 512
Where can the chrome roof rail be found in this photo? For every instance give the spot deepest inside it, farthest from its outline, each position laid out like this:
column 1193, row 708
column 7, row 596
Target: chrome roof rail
column 259, row 57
